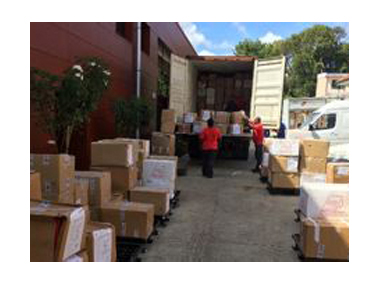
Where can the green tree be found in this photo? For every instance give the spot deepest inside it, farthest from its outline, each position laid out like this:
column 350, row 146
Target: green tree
column 65, row 102
column 257, row 48
column 312, row 51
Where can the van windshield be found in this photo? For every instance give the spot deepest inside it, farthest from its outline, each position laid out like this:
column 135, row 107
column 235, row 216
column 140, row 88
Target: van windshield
column 309, row 120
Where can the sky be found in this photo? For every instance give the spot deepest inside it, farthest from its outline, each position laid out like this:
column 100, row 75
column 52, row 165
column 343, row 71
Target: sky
column 220, row 38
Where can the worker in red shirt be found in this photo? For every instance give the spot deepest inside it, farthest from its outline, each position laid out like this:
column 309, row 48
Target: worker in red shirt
column 258, row 140
column 210, row 138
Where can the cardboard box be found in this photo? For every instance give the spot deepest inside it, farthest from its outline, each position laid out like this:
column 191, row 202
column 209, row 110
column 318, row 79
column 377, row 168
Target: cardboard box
column 113, row 153
column 139, row 144
column 163, row 144
column 57, row 176
column 237, row 117
column 122, row 178
column 222, row 117
column 338, row 172
column 160, row 173
column 189, row 117
column 288, row 164
column 101, row 242
column 223, row 128
column 315, row 148
column 168, row 121
column 160, row 198
column 130, row 219
column 99, row 186
column 313, row 164
column 56, row 231
column 184, row 128
column 324, row 201
column 198, row 127
column 325, row 239
column 35, row 186
column 284, row 180
column 307, row 177
column 81, row 256
column 82, row 189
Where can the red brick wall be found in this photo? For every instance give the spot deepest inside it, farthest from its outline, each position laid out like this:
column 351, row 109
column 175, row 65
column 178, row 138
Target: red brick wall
column 54, row 46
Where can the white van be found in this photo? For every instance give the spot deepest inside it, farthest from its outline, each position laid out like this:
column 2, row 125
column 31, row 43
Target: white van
column 330, row 122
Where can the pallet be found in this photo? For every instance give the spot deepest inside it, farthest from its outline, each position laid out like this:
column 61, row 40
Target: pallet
column 129, row 249
column 161, row 221
column 282, row 191
column 296, row 247
column 174, row 202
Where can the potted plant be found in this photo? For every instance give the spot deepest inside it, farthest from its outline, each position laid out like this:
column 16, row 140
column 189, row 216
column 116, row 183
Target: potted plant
column 65, row 102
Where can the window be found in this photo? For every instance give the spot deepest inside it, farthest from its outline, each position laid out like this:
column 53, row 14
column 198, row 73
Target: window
column 120, row 29
column 145, row 39
column 125, row 30
column 325, row 122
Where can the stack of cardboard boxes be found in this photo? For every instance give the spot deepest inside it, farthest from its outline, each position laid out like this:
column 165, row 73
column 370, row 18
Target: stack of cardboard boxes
column 59, row 209
column 226, row 122
column 324, row 221
column 163, row 143
column 283, row 164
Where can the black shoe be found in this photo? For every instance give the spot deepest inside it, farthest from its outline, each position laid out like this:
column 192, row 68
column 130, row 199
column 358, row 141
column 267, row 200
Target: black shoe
column 255, row 170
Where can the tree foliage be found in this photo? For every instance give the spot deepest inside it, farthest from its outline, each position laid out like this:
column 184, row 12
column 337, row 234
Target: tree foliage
column 131, row 114
column 65, row 102
column 312, row 51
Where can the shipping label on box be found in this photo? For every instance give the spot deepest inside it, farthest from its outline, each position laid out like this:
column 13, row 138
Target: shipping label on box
column 337, row 172
column 284, row 164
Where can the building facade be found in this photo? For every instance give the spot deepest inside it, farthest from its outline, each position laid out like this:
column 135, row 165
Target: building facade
column 330, row 85
column 54, row 47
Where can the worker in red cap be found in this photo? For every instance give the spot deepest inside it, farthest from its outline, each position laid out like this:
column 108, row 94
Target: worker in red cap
column 258, row 140
column 210, row 138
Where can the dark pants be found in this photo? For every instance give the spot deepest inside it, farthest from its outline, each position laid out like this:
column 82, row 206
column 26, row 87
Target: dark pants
column 258, row 155
column 208, row 163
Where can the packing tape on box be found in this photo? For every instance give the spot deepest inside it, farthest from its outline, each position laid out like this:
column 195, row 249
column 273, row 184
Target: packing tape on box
column 40, row 207
column 123, row 228
column 317, row 230
column 46, row 160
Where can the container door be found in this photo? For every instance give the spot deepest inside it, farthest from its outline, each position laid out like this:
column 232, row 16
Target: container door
column 181, row 85
column 267, row 88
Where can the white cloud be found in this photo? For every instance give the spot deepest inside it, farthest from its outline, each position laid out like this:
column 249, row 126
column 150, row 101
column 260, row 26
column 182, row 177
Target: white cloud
column 201, row 42
column 270, row 38
column 241, row 28
column 196, row 37
column 205, row 52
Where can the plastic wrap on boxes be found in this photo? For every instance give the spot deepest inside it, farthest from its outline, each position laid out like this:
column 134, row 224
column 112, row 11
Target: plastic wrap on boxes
column 323, row 201
column 307, row 177
column 265, row 162
column 160, row 174
column 284, row 147
column 235, row 129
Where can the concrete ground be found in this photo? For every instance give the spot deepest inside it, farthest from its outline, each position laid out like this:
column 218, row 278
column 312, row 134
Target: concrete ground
column 231, row 217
